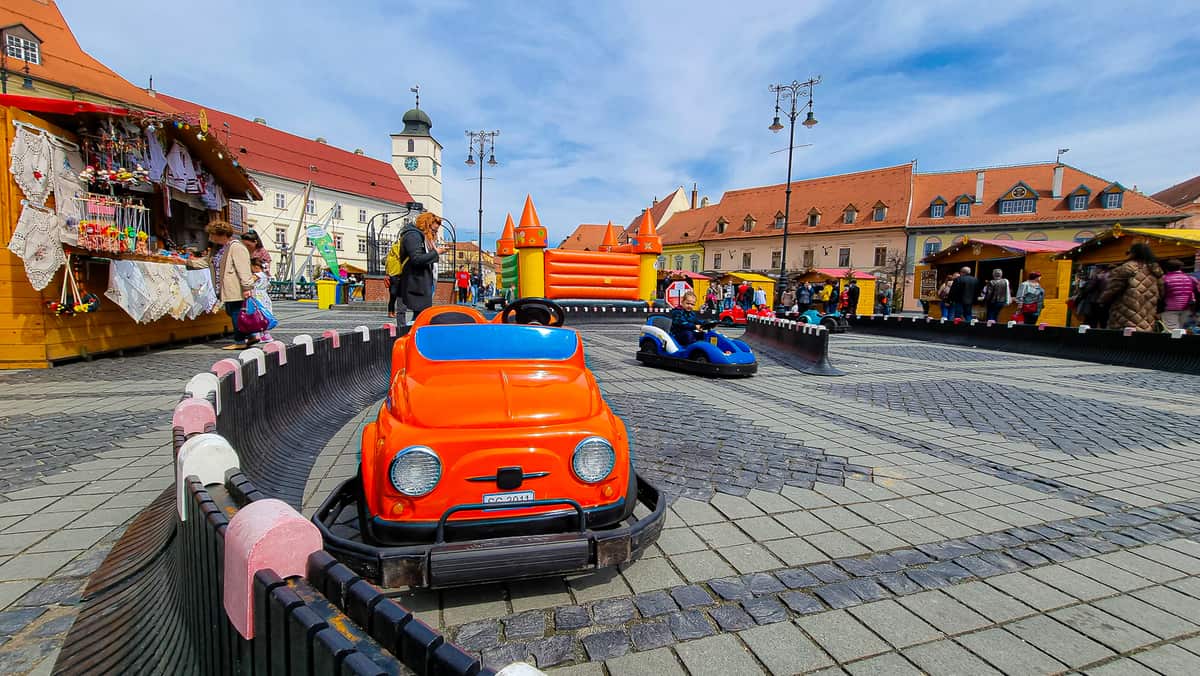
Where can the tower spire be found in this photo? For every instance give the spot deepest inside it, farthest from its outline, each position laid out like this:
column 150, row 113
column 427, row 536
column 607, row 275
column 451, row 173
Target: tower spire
column 416, row 89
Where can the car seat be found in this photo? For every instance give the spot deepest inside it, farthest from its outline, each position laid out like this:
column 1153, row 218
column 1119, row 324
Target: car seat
column 660, row 327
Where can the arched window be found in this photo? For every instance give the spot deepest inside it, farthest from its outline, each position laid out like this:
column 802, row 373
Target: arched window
column 932, row 245
column 1003, row 235
column 412, row 146
column 695, row 262
column 1084, row 235
column 1037, row 237
column 678, row 263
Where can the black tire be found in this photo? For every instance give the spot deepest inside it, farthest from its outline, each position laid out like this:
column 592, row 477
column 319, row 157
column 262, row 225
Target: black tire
column 699, row 357
column 829, row 323
column 726, row 322
column 648, row 346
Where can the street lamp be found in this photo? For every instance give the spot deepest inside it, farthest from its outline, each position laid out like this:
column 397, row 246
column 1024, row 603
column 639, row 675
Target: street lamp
column 481, row 143
column 791, row 93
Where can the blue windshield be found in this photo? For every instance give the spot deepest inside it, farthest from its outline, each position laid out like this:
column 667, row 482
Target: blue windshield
column 471, row 342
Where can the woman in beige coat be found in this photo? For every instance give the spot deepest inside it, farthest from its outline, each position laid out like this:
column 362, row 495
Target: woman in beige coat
column 232, row 277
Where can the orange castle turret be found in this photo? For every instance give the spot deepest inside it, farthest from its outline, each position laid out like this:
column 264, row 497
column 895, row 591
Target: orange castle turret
column 505, row 245
column 609, row 242
column 648, row 246
column 530, row 233
column 530, row 241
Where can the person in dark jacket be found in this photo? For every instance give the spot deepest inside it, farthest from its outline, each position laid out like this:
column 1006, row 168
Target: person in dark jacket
column 962, row 293
column 852, row 293
column 419, row 255
column 685, row 323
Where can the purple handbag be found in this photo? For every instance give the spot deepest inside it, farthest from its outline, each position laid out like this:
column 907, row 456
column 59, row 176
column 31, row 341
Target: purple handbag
column 252, row 319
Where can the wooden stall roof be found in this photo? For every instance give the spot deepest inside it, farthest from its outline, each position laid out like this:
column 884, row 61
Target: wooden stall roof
column 1013, row 247
column 830, row 273
column 684, row 273
column 1175, row 236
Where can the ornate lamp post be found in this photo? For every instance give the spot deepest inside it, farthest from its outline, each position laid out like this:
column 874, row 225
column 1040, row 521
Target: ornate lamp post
column 790, row 94
column 477, row 143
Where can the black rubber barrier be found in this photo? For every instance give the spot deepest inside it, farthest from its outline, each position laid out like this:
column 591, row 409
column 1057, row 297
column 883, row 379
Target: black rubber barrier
column 597, row 312
column 1160, row 351
column 156, row 604
column 808, row 343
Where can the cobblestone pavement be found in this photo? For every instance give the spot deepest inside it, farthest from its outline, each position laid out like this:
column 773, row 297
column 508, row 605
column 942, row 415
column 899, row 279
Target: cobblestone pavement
column 940, row 509
column 83, row 448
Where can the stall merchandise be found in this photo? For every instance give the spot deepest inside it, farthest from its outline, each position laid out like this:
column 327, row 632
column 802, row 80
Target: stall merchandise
column 149, row 291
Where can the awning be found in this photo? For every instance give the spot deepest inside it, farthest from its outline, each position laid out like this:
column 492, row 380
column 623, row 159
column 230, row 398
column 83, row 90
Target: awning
column 1177, row 235
column 688, row 274
column 841, row 273
column 751, row 277
column 37, row 104
column 1017, row 247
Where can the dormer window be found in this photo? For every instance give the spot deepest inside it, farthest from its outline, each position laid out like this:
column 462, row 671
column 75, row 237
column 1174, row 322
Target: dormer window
column 1079, row 202
column 849, row 215
column 721, row 223
column 779, row 220
column 880, row 211
column 24, row 47
column 1113, row 200
column 748, row 224
column 1020, row 200
column 937, row 208
column 962, row 209
column 814, row 218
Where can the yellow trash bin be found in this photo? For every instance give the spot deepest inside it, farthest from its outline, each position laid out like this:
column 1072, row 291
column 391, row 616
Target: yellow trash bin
column 326, row 293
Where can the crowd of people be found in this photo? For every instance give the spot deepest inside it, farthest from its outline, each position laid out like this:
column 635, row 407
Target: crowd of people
column 241, row 270
column 469, row 287
column 825, row 297
column 1141, row 292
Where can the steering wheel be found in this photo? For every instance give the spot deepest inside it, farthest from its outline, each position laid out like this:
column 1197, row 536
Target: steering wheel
column 533, row 311
column 708, row 325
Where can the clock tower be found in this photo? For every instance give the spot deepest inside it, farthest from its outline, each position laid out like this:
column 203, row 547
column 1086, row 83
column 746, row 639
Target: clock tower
column 417, row 159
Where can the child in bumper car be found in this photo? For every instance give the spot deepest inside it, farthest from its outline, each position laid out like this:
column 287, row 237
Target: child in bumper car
column 685, row 323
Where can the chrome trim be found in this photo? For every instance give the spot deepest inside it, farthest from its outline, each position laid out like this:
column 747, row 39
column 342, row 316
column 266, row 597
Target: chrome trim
column 493, row 478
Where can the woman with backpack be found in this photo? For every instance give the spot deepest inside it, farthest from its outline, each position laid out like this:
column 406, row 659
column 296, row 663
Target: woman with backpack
column 1031, row 298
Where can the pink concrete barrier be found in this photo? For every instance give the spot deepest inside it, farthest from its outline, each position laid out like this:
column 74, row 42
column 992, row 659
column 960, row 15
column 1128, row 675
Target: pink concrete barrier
column 390, row 328
column 334, row 337
column 263, row 534
column 193, row 416
column 277, row 347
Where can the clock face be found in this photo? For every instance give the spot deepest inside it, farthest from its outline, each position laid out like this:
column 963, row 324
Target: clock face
column 410, row 163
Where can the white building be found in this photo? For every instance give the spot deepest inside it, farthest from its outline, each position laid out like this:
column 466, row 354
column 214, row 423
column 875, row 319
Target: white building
column 346, row 191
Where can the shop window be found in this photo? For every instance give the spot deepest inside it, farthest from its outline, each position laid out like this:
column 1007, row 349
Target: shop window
column 716, row 261
column 337, row 242
column 808, row 258
column 1113, row 200
column 280, row 236
column 962, row 209
column 19, row 48
column 844, row 257
column 779, row 221
column 880, row 256
column 932, row 246
column 362, row 215
column 695, row 262
column 1037, row 237
column 1083, row 236
column 311, row 207
column 337, row 212
column 776, row 259
column 678, row 263
column 1021, row 206
column 746, row 258
column 1079, row 202
column 362, row 245
column 280, row 201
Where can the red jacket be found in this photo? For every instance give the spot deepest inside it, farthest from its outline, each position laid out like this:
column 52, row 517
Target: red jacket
column 462, row 279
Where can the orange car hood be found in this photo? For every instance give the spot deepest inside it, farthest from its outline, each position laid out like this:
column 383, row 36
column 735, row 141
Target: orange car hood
column 496, row 394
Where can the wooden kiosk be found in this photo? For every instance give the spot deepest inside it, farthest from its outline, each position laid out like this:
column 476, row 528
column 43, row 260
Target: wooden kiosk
column 32, row 333
column 752, row 278
column 866, row 284
column 1016, row 258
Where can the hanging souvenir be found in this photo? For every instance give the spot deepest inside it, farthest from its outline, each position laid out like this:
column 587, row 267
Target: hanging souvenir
column 36, row 242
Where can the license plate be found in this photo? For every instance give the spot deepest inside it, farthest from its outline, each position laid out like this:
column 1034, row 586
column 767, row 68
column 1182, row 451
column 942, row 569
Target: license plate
column 505, row 498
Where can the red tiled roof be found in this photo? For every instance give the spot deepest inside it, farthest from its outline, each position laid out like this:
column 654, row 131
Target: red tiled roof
column 656, row 213
column 63, row 60
column 830, row 195
column 1026, row 245
column 587, row 237
column 278, row 153
column 1039, row 177
column 688, row 227
column 1180, row 194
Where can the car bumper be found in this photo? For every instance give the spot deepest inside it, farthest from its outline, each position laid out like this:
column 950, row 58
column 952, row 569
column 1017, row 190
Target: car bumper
column 700, row 368
column 443, row 564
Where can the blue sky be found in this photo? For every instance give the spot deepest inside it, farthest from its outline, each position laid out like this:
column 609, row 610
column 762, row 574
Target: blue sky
column 605, row 105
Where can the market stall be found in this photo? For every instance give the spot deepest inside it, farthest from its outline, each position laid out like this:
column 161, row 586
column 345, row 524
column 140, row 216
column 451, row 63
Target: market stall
column 1014, row 258
column 866, row 284
column 753, row 279
column 99, row 211
column 697, row 281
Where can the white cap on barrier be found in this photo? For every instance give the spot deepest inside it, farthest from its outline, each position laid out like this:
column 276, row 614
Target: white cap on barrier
column 366, row 333
column 206, row 457
column 1011, row 324
column 1177, row 333
column 990, row 322
column 254, row 354
column 520, row 669
column 1128, row 331
column 202, row 384
column 1084, row 328
column 305, row 340
column 942, row 320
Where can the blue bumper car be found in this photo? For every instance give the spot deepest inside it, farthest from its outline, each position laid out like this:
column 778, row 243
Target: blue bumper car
column 715, row 355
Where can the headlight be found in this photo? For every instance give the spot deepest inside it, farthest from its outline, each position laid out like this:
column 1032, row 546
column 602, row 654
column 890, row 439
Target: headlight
column 593, row 459
column 415, row 471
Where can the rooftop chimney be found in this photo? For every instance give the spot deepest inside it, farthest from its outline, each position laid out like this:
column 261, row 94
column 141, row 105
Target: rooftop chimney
column 694, row 195
column 704, row 201
column 320, row 139
column 979, row 187
column 655, row 201
column 260, row 120
column 358, row 151
column 1056, row 189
